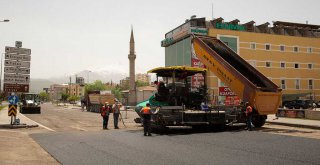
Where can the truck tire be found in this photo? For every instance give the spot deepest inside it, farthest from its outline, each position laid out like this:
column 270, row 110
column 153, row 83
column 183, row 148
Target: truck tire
column 258, row 120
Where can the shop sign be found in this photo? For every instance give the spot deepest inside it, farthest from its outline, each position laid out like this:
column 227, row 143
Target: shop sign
column 200, row 31
column 229, row 26
column 225, row 91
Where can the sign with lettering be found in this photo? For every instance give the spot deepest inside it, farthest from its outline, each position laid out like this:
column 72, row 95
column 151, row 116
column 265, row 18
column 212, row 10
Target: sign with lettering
column 225, row 91
column 16, row 87
column 17, row 70
column 16, row 78
column 230, row 26
column 16, row 56
column 18, row 50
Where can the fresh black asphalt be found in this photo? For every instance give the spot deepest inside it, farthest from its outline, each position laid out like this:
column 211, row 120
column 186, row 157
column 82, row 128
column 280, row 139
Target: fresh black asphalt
column 131, row 147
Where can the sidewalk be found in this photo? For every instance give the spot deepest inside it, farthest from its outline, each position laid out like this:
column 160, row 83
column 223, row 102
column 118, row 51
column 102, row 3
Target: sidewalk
column 294, row 122
column 24, row 121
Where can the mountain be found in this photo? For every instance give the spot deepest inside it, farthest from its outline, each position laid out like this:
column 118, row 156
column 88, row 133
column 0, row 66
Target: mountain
column 37, row 85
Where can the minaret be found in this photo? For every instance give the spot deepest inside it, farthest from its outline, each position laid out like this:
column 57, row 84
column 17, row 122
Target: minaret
column 132, row 99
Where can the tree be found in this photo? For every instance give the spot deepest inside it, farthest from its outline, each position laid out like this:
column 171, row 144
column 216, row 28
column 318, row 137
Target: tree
column 141, row 83
column 117, row 92
column 73, row 98
column 64, row 96
column 97, row 85
column 44, row 96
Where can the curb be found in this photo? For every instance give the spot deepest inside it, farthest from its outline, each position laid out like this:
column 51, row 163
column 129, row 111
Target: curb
column 294, row 125
column 9, row 126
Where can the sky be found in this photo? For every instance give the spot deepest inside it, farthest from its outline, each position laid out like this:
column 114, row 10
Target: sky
column 69, row 36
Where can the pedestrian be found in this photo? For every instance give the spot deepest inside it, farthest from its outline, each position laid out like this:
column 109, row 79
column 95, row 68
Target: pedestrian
column 146, row 115
column 249, row 116
column 105, row 111
column 116, row 112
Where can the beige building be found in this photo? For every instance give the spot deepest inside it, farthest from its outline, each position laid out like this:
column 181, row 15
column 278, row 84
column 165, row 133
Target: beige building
column 285, row 52
column 76, row 90
column 55, row 91
column 72, row 89
column 143, row 77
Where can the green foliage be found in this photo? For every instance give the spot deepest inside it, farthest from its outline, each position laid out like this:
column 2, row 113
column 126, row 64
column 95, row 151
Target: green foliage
column 64, row 96
column 117, row 92
column 141, row 84
column 125, row 86
column 44, row 96
column 73, row 98
column 97, row 85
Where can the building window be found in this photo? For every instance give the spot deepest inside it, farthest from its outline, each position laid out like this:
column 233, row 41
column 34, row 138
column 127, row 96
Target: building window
column 310, row 66
column 283, row 84
column 310, row 84
column 268, row 64
column 296, row 65
column 295, row 49
column 252, row 45
column 309, row 50
column 297, row 83
column 268, row 46
column 282, row 48
column 282, row 65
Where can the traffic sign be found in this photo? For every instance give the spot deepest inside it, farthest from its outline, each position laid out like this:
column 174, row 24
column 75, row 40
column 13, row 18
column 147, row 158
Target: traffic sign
column 13, row 99
column 16, row 87
column 18, row 50
column 17, row 63
column 16, row 70
column 12, row 110
column 17, row 56
column 18, row 80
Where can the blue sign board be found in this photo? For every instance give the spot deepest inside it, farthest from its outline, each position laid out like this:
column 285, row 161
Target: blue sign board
column 13, row 99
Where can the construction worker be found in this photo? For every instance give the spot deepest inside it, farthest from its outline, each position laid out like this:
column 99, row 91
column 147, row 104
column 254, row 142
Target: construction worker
column 146, row 115
column 249, row 116
column 116, row 112
column 105, row 111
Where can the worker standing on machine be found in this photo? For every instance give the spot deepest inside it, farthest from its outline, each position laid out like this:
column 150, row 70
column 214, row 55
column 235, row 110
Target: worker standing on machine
column 249, row 116
column 146, row 115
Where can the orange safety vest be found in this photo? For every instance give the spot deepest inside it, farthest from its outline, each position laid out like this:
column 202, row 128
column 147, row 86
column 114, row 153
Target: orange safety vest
column 146, row 111
column 249, row 109
column 103, row 111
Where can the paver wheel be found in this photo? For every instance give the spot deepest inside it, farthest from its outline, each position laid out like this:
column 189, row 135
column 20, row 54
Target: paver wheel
column 258, row 121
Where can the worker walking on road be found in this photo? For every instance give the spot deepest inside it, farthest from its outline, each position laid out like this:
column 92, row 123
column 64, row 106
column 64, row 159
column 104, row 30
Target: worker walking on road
column 146, row 115
column 105, row 111
column 249, row 116
column 116, row 112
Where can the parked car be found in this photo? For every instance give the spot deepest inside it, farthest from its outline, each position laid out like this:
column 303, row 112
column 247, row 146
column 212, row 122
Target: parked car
column 298, row 104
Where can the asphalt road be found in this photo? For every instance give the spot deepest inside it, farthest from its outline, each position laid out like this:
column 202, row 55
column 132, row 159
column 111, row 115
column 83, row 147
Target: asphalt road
column 130, row 147
column 77, row 138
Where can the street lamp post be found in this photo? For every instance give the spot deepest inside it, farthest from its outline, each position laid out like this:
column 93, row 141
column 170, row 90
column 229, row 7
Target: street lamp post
column 1, row 73
column 88, row 76
column 5, row 20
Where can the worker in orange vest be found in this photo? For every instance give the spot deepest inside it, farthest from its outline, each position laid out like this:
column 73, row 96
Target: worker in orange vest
column 146, row 115
column 249, row 116
column 105, row 111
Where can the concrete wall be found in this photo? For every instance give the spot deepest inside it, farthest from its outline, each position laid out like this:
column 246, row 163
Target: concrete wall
column 315, row 115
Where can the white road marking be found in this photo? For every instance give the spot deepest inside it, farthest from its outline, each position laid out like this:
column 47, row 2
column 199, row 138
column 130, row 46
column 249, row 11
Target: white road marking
column 39, row 124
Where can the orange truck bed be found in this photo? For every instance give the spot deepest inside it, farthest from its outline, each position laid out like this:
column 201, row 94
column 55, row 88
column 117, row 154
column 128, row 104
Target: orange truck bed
column 242, row 78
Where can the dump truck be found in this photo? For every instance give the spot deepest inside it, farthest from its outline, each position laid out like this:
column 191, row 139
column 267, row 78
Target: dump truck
column 30, row 104
column 95, row 99
column 176, row 104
